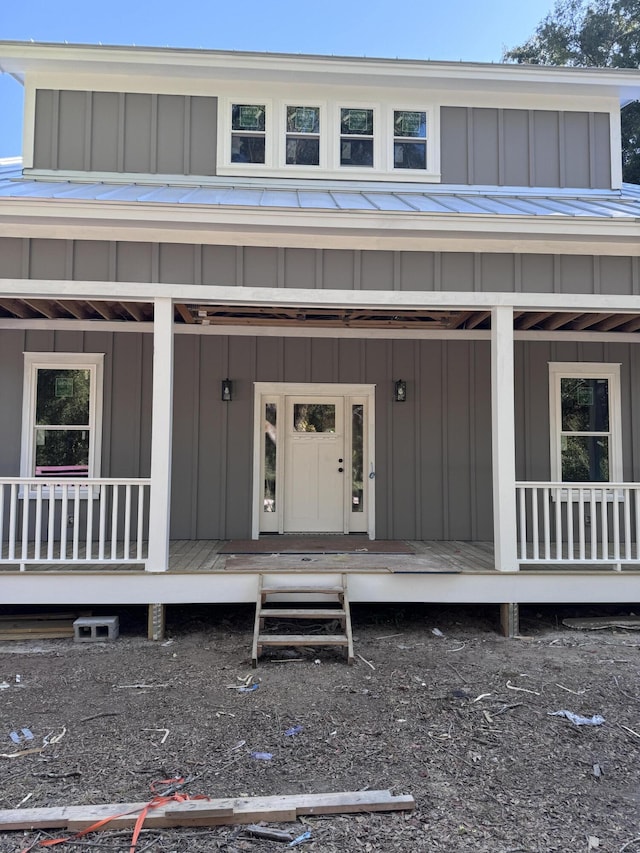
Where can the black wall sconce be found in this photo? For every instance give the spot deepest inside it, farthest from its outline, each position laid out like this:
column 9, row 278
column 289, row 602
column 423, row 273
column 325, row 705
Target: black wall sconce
column 400, row 391
column 227, row 391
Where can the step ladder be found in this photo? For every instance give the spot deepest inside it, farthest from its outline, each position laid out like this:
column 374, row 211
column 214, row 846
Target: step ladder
column 336, row 609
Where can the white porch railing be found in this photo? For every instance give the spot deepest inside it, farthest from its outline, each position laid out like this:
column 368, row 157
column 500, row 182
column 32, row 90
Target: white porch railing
column 83, row 521
column 578, row 523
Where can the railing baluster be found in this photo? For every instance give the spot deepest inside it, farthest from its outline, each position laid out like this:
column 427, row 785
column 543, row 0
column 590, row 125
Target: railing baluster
column 114, row 522
column 140, row 533
column 594, row 524
column 127, row 520
column 76, row 521
column 570, row 520
column 626, row 508
column 51, row 521
column 103, row 521
column 13, row 509
column 581, row 544
column 64, row 509
column 88, row 533
column 615, row 521
column 604, row 525
column 637, row 520
column 547, row 523
column 26, row 506
column 535, row 533
column 37, row 538
column 558, row 514
column 2, row 499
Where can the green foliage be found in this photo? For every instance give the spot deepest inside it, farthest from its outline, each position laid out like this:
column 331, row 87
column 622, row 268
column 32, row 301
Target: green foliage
column 600, row 33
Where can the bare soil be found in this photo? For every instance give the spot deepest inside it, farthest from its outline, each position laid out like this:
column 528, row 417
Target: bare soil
column 460, row 721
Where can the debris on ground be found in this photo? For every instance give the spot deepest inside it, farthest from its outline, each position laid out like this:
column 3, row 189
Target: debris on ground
column 578, row 719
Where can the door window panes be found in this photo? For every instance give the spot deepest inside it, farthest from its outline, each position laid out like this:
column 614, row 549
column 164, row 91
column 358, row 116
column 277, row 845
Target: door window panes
column 409, row 139
column 248, row 126
column 270, row 457
column 356, row 137
column 303, row 136
column 357, row 463
column 314, row 417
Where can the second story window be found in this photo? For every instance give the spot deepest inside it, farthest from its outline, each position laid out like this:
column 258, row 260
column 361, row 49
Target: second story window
column 248, row 133
column 409, row 139
column 303, row 136
column 356, row 137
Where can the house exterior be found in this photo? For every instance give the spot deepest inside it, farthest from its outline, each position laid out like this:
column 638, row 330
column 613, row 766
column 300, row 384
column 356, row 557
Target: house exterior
column 247, row 294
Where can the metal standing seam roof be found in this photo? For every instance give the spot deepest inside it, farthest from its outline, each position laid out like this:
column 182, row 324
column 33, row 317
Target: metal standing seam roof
column 380, row 197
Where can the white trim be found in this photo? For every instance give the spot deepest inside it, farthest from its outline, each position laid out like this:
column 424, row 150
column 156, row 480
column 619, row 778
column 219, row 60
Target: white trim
column 277, row 391
column 569, row 369
column 161, row 436
column 28, row 128
column 503, row 440
column 615, row 137
column 301, row 297
column 34, row 361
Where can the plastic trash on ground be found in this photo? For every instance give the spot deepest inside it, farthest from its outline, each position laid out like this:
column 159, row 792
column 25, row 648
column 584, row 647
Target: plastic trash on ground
column 300, row 839
column 294, row 730
column 577, row 719
column 262, row 756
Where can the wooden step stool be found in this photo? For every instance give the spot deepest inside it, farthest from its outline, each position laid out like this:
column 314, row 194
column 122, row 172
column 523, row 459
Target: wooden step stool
column 339, row 612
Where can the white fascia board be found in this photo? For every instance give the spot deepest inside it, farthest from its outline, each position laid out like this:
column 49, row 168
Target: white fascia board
column 23, row 57
column 300, row 297
column 72, row 219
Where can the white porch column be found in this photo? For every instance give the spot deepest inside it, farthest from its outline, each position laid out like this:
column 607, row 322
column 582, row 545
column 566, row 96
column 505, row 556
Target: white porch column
column 503, row 440
column 161, row 433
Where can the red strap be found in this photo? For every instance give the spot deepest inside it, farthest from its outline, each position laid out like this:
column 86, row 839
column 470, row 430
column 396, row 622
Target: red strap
column 154, row 803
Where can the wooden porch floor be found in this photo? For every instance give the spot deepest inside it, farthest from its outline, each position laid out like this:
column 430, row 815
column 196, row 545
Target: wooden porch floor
column 204, row 555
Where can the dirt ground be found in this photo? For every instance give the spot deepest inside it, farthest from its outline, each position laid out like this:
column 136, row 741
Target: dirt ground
column 459, row 720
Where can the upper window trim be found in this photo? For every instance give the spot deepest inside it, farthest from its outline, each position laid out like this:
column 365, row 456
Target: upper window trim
column 329, row 166
column 559, row 370
column 33, row 361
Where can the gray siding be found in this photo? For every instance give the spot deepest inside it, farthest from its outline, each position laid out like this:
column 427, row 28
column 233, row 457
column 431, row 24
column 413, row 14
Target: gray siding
column 526, row 148
column 118, row 132
column 340, row 269
column 433, row 452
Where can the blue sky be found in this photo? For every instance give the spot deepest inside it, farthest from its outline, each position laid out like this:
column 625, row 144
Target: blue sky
column 469, row 30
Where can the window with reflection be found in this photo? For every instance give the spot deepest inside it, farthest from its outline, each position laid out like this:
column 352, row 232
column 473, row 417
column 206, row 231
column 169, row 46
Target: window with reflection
column 314, row 417
column 356, row 137
column 303, row 136
column 270, row 456
column 409, row 139
column 248, row 133
column 62, row 422
column 357, row 458
column 585, row 439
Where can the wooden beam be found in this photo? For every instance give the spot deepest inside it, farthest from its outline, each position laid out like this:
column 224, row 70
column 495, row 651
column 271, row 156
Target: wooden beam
column 631, row 325
column 102, row 308
column 46, row 307
column 184, row 312
column 18, row 308
column 76, row 309
column 204, row 812
column 528, row 320
column 559, row 319
column 610, row 323
column 480, row 317
column 587, row 321
column 134, row 310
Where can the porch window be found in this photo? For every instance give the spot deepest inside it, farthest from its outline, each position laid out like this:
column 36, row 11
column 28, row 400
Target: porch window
column 585, row 423
column 303, row 136
column 61, row 415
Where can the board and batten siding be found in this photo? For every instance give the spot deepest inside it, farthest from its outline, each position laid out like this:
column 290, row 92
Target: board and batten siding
column 176, row 135
column 335, row 269
column 433, row 452
column 525, row 148
column 125, row 132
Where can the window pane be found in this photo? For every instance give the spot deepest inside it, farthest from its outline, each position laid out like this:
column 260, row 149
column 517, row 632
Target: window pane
column 356, row 122
column 585, row 405
column 314, row 417
column 248, row 117
column 303, row 119
column 409, row 155
column 303, row 152
column 357, row 502
column 62, row 453
column 356, row 152
column 247, row 149
column 270, row 457
column 409, row 123
column 585, row 458
column 62, row 397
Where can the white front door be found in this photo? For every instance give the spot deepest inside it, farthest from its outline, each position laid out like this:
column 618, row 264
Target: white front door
column 313, row 458
column 314, row 465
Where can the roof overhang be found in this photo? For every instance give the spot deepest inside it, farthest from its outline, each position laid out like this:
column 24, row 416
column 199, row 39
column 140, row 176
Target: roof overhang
column 23, row 58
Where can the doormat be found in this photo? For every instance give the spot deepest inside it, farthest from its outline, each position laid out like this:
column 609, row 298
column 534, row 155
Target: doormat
column 288, row 544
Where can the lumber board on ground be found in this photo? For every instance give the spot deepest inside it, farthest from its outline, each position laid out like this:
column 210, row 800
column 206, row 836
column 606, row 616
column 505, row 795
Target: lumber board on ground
column 595, row 623
column 204, row 812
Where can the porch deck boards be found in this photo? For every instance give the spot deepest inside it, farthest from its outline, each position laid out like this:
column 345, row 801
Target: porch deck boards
column 204, row 555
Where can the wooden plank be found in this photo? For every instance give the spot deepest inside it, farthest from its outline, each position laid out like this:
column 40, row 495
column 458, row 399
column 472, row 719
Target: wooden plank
column 301, row 613
column 210, row 812
column 369, row 563
column 597, row 623
column 302, row 640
